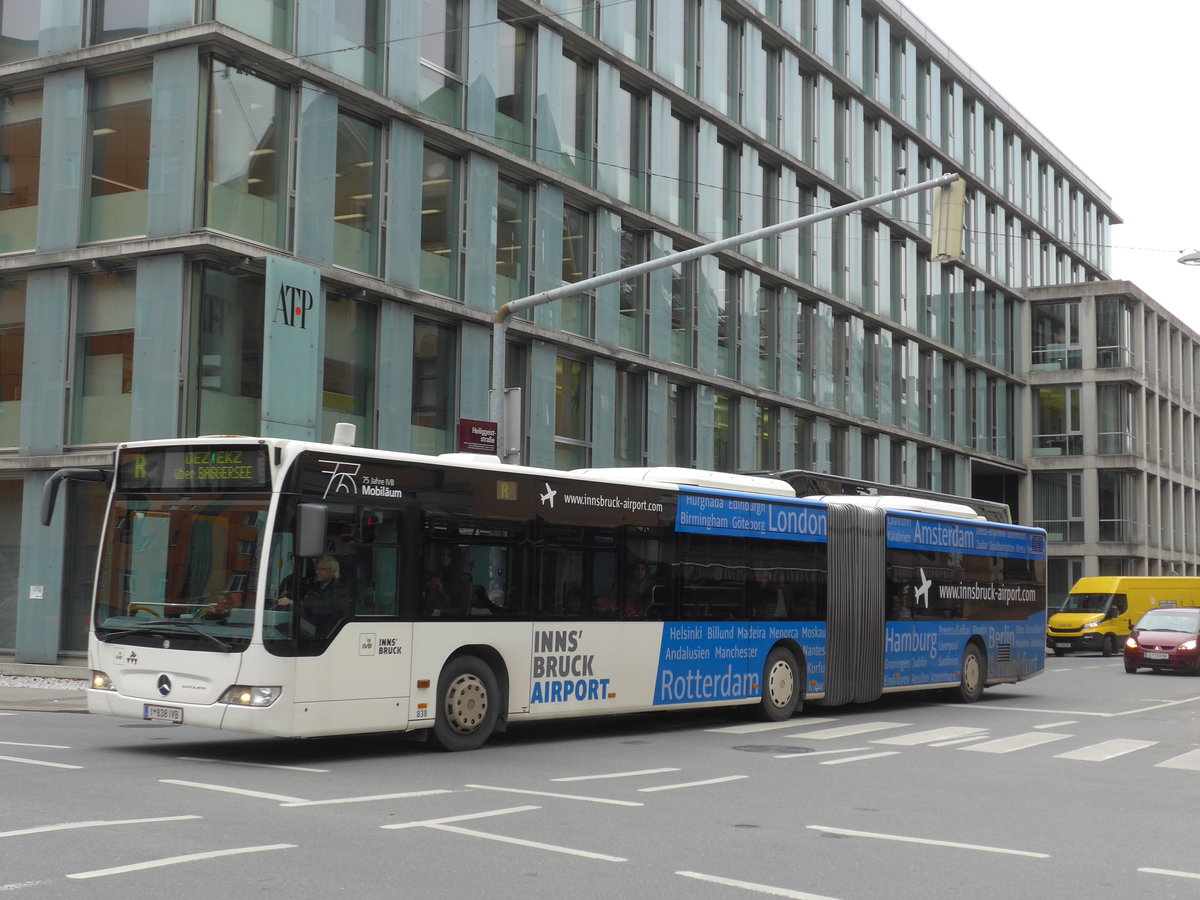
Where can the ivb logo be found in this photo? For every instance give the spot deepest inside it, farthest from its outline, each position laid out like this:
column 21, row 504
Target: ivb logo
column 293, row 305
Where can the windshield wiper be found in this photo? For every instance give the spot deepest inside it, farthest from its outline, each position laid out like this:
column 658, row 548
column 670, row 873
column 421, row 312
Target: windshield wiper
column 167, row 629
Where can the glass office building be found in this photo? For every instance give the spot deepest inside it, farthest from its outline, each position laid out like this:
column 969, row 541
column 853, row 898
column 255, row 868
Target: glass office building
column 178, row 178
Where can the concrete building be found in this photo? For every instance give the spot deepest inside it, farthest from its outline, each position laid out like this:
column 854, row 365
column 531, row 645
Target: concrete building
column 186, row 188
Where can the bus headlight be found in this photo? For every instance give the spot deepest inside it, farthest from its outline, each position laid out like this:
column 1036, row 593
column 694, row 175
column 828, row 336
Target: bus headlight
column 101, row 681
column 250, row 695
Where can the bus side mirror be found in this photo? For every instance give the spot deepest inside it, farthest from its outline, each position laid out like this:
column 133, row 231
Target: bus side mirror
column 310, row 529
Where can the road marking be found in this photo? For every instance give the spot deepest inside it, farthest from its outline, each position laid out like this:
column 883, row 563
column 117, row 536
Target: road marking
column 825, row 734
column 70, row 826
column 175, row 860
column 767, row 726
column 261, row 795
column 928, row 737
column 849, row 759
column 1057, row 724
column 37, row 762
column 757, row 888
column 253, row 765
column 819, row 752
column 1075, row 712
column 536, row 845
column 688, row 784
column 962, row 740
column 4, row 888
column 1105, row 750
column 486, row 787
column 446, row 820
column 1016, row 742
column 336, row 800
column 1172, row 872
column 616, row 775
column 39, row 746
column 914, row 840
column 1189, row 760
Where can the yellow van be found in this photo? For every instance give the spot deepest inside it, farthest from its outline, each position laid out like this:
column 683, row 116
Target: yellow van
column 1099, row 612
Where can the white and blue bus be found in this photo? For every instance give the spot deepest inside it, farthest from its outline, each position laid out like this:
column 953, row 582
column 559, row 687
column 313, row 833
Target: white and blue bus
column 295, row 589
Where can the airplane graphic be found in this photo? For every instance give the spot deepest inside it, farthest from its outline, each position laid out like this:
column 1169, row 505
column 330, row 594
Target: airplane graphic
column 549, row 496
column 921, row 594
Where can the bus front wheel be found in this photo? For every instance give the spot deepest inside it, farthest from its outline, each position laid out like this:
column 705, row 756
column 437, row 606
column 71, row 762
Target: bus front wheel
column 468, row 700
column 783, row 686
column 974, row 674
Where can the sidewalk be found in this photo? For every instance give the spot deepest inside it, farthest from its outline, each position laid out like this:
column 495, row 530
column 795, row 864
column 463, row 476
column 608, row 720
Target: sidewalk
column 28, row 688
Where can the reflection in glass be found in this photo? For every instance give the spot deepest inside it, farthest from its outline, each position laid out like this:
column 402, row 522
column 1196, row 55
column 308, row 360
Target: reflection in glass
column 229, row 346
column 267, row 20
column 113, row 20
column 441, row 59
column 571, row 399
column 354, row 42
column 576, row 125
column 349, row 389
column 119, row 116
column 576, row 266
column 356, row 195
column 434, row 390
column 512, row 230
column 439, row 224
column 512, row 87
column 20, row 22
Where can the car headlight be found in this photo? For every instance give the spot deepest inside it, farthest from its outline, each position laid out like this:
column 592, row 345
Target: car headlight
column 1131, row 642
column 1188, row 645
column 250, row 695
column 101, row 681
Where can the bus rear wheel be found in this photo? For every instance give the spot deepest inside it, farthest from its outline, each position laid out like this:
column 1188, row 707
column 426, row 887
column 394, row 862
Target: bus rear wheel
column 974, row 675
column 468, row 700
column 783, row 686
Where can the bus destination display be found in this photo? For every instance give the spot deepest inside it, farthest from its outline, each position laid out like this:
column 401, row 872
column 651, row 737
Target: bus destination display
column 198, row 468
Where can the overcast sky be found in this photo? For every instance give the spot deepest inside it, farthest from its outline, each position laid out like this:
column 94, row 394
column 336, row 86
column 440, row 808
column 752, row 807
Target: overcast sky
column 1116, row 87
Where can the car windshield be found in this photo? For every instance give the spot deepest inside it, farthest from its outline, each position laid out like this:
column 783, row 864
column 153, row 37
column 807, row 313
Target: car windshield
column 1170, row 620
column 181, row 569
column 1089, row 603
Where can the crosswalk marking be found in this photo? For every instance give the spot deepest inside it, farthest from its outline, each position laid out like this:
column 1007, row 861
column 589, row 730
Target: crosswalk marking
column 766, row 726
column 1105, row 750
column 1016, row 742
column 928, row 737
column 838, row 762
column 1189, row 760
column 825, row 734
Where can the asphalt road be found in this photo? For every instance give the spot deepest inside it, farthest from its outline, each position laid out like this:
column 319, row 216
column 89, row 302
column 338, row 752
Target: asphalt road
column 1080, row 783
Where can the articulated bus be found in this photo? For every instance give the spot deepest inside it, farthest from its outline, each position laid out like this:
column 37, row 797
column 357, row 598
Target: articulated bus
column 295, row 589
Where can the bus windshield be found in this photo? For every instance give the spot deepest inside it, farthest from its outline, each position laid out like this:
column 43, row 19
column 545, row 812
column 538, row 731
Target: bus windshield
column 181, row 569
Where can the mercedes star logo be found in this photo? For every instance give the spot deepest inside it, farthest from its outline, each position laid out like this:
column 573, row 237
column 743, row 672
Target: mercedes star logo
column 164, row 685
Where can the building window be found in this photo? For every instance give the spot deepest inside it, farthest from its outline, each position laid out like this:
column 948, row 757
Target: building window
column 682, row 177
column 119, row 118
column 576, row 266
column 729, row 324
column 512, row 243
column 731, row 189
column 435, row 386
column 12, row 362
column 21, row 146
column 731, row 94
column 102, row 384
column 628, row 145
column 114, row 20
column 1115, row 415
column 246, row 168
column 630, row 419
column 1055, row 342
column 356, row 195
column 683, row 312
column 442, row 34
column 1058, row 505
column 1057, row 429
column 624, row 26
column 20, row 24
column 804, row 442
column 267, row 20
column 681, row 431
column 12, row 491
column 439, row 223
column 768, row 338
column 349, row 379
column 354, row 42
column 514, row 70
column 634, row 250
column 1118, row 502
column 229, row 347
column 724, row 433
column 1114, row 333
column 806, row 314
column 576, row 127
column 766, row 438
column 676, row 39
column 572, row 422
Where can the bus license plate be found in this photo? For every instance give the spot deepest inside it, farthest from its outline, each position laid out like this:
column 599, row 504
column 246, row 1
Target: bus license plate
column 1157, row 655
column 154, row 713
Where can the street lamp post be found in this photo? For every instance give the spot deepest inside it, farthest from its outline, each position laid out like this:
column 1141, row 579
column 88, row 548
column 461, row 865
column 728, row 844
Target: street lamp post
column 505, row 312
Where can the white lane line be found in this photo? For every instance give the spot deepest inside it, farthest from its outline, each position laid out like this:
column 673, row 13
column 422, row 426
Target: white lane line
column 4, row 888
column 688, row 784
column 825, row 734
column 1105, row 750
column 914, row 840
column 963, row 740
column 850, row 759
column 405, row 796
column 1189, row 760
column 1016, row 742
column 175, row 860
column 1075, row 712
column 536, row 845
column 616, row 775
column 69, row 826
column 253, row 765
column 1173, row 872
column 819, row 752
column 487, row 787
column 37, row 762
column 754, row 727
column 261, row 795
column 446, row 820
column 756, row 888
column 39, row 746
column 928, row 737
column 1057, row 724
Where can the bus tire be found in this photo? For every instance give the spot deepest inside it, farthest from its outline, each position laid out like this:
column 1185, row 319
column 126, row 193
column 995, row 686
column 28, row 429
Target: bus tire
column 974, row 675
column 1109, row 646
column 783, row 686
column 468, row 705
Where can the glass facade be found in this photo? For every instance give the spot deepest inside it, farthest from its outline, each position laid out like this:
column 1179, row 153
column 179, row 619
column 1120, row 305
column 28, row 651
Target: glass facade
column 20, row 156
column 12, row 361
column 435, row 386
column 19, row 25
column 356, row 195
column 119, row 122
column 227, row 359
column 439, row 223
column 512, row 243
column 102, row 385
column 349, row 368
column 11, row 490
column 267, row 20
column 572, row 419
column 442, row 41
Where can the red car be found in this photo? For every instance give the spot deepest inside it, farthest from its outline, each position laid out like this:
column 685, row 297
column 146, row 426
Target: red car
column 1165, row 638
